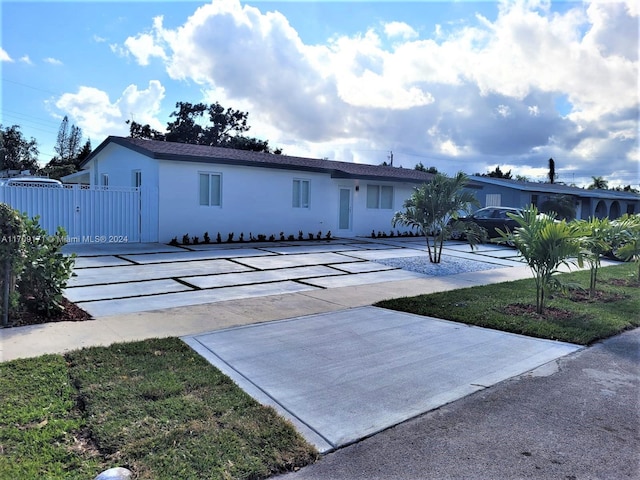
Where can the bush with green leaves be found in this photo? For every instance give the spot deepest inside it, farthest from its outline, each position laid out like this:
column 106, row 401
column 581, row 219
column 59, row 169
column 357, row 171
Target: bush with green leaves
column 596, row 237
column 433, row 204
column 46, row 270
column 545, row 244
column 627, row 239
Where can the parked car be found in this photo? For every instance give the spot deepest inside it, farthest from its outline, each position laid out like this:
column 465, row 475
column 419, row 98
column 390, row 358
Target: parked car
column 491, row 218
column 29, row 181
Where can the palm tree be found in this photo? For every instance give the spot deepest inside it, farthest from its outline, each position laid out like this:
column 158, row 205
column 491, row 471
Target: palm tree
column 432, row 205
column 599, row 183
column 545, row 244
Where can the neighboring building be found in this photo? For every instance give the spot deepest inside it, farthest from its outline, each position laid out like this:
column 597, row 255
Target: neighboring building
column 192, row 189
column 588, row 203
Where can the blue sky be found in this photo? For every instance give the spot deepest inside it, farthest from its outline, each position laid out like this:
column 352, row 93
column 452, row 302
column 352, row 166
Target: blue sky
column 457, row 85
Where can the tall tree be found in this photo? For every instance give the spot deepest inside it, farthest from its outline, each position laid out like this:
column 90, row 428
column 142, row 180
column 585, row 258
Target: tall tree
column 202, row 124
column 598, row 183
column 552, row 170
column 68, row 142
column 16, row 152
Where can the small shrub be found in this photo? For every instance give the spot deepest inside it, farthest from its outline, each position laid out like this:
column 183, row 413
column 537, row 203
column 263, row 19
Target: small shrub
column 328, row 235
column 230, row 238
column 300, row 235
column 195, row 240
column 46, row 270
column 241, row 239
column 291, row 238
column 186, row 239
column 207, row 238
column 318, row 235
column 310, row 235
column 261, row 237
column 282, row 236
column 373, row 234
column 174, row 241
column 272, row 238
column 218, row 238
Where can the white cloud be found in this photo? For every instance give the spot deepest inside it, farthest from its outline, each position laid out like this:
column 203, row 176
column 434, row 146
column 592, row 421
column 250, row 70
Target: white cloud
column 399, row 29
column 4, row 56
column 488, row 88
column 52, row 61
column 26, row 59
column 144, row 46
column 93, row 111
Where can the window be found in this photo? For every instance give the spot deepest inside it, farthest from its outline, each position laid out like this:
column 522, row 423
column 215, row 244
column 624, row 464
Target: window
column 379, row 196
column 300, row 193
column 104, row 179
column 136, row 178
column 493, row 200
column 210, row 192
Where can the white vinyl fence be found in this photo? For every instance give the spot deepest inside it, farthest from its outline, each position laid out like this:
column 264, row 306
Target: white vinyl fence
column 88, row 214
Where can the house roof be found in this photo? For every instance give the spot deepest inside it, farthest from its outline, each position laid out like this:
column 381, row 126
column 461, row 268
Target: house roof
column 202, row 153
column 556, row 189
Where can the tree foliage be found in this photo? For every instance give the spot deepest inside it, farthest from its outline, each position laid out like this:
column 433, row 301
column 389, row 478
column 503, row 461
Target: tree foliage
column 552, row 170
column 432, row 205
column 70, row 151
column 202, row 124
column 562, row 205
column 16, row 152
column 498, row 173
column 421, row 168
column 598, row 183
column 627, row 239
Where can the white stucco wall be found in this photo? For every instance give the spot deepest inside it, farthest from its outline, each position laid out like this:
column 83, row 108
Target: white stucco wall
column 254, row 200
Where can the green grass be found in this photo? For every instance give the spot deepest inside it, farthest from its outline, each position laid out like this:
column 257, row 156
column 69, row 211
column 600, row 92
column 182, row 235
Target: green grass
column 155, row 407
column 567, row 317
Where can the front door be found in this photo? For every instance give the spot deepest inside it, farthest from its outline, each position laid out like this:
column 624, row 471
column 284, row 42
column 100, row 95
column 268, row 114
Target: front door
column 344, row 218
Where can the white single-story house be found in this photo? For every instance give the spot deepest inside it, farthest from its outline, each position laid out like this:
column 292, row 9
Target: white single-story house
column 588, row 203
column 192, row 189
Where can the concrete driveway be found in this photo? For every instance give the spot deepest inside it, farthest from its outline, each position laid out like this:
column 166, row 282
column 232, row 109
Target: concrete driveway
column 127, row 278
column 346, row 375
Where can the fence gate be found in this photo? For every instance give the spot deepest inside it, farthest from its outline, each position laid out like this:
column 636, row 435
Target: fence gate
column 88, row 214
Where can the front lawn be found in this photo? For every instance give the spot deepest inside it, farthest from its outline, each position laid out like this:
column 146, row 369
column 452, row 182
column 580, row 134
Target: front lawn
column 155, row 407
column 571, row 316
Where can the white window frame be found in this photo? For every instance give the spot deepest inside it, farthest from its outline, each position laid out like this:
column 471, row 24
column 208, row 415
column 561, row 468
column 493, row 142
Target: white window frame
column 298, row 193
column 211, row 202
column 104, row 179
column 493, row 200
column 377, row 202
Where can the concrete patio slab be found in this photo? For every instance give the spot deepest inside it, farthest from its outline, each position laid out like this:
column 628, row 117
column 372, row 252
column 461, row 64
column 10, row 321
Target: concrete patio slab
column 94, row 249
column 345, row 375
column 295, row 260
column 362, row 267
column 124, row 290
column 132, row 273
column 294, row 249
column 102, row 308
column 100, row 261
column 374, row 255
column 245, row 278
column 185, row 256
column 363, row 278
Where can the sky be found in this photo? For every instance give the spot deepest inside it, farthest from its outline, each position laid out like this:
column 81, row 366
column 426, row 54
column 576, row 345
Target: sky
column 459, row 85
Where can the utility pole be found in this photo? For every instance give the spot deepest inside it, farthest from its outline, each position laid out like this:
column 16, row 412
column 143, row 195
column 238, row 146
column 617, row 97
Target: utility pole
column 390, row 158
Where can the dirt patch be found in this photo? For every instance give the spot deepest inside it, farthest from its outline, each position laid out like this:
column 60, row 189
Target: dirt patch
column 623, row 282
column 598, row 296
column 529, row 311
column 70, row 313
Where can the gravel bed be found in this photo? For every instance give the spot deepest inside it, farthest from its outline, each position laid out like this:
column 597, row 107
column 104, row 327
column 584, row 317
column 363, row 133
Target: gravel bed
column 448, row 265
